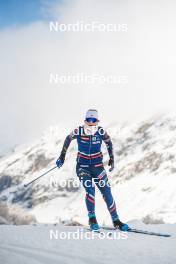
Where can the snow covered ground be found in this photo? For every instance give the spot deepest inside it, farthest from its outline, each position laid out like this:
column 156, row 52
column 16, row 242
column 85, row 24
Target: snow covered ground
column 36, row 245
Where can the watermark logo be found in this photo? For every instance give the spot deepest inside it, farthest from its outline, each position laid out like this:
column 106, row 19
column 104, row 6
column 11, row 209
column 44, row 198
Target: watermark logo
column 82, row 78
column 83, row 233
column 82, row 26
column 74, row 184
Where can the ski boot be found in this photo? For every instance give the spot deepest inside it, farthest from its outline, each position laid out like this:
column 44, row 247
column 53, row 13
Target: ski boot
column 93, row 223
column 118, row 224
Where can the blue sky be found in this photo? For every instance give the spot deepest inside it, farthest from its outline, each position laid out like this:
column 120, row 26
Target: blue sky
column 17, row 12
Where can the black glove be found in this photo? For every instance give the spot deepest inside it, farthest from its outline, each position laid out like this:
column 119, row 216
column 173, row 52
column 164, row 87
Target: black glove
column 111, row 163
column 60, row 161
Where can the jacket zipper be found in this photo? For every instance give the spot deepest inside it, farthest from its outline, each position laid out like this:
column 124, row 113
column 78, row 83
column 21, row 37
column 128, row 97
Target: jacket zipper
column 90, row 148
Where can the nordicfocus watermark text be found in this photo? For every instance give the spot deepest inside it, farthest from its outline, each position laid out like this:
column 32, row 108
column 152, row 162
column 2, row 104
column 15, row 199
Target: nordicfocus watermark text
column 82, row 78
column 73, row 184
column 114, row 131
column 81, row 26
column 82, row 233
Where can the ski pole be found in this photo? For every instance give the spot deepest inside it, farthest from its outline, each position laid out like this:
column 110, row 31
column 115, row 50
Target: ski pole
column 25, row 185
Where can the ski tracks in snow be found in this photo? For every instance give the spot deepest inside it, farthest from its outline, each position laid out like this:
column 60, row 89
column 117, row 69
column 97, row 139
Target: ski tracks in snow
column 32, row 245
column 32, row 255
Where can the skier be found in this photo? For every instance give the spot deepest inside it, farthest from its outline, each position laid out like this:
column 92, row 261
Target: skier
column 90, row 167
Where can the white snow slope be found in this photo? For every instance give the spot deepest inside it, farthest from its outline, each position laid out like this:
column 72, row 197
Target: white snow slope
column 143, row 182
column 37, row 245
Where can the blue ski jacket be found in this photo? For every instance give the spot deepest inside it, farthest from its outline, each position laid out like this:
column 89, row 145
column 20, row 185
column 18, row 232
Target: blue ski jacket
column 89, row 146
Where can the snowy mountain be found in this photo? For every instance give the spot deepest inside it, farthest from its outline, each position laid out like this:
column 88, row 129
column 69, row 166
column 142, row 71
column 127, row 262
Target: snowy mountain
column 143, row 182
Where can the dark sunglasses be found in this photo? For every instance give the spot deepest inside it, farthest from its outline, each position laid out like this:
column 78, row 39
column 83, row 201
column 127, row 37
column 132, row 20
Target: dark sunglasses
column 91, row 120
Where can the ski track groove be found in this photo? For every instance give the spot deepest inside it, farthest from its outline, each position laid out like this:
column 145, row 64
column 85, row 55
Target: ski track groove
column 42, row 256
column 16, row 256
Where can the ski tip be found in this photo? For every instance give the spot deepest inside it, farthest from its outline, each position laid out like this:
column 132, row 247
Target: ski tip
column 165, row 235
column 133, row 230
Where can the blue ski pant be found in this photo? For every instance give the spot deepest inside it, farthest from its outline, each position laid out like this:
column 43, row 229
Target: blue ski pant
column 91, row 175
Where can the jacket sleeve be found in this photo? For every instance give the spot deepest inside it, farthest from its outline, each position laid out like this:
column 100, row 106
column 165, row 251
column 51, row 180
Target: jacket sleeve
column 67, row 142
column 106, row 138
